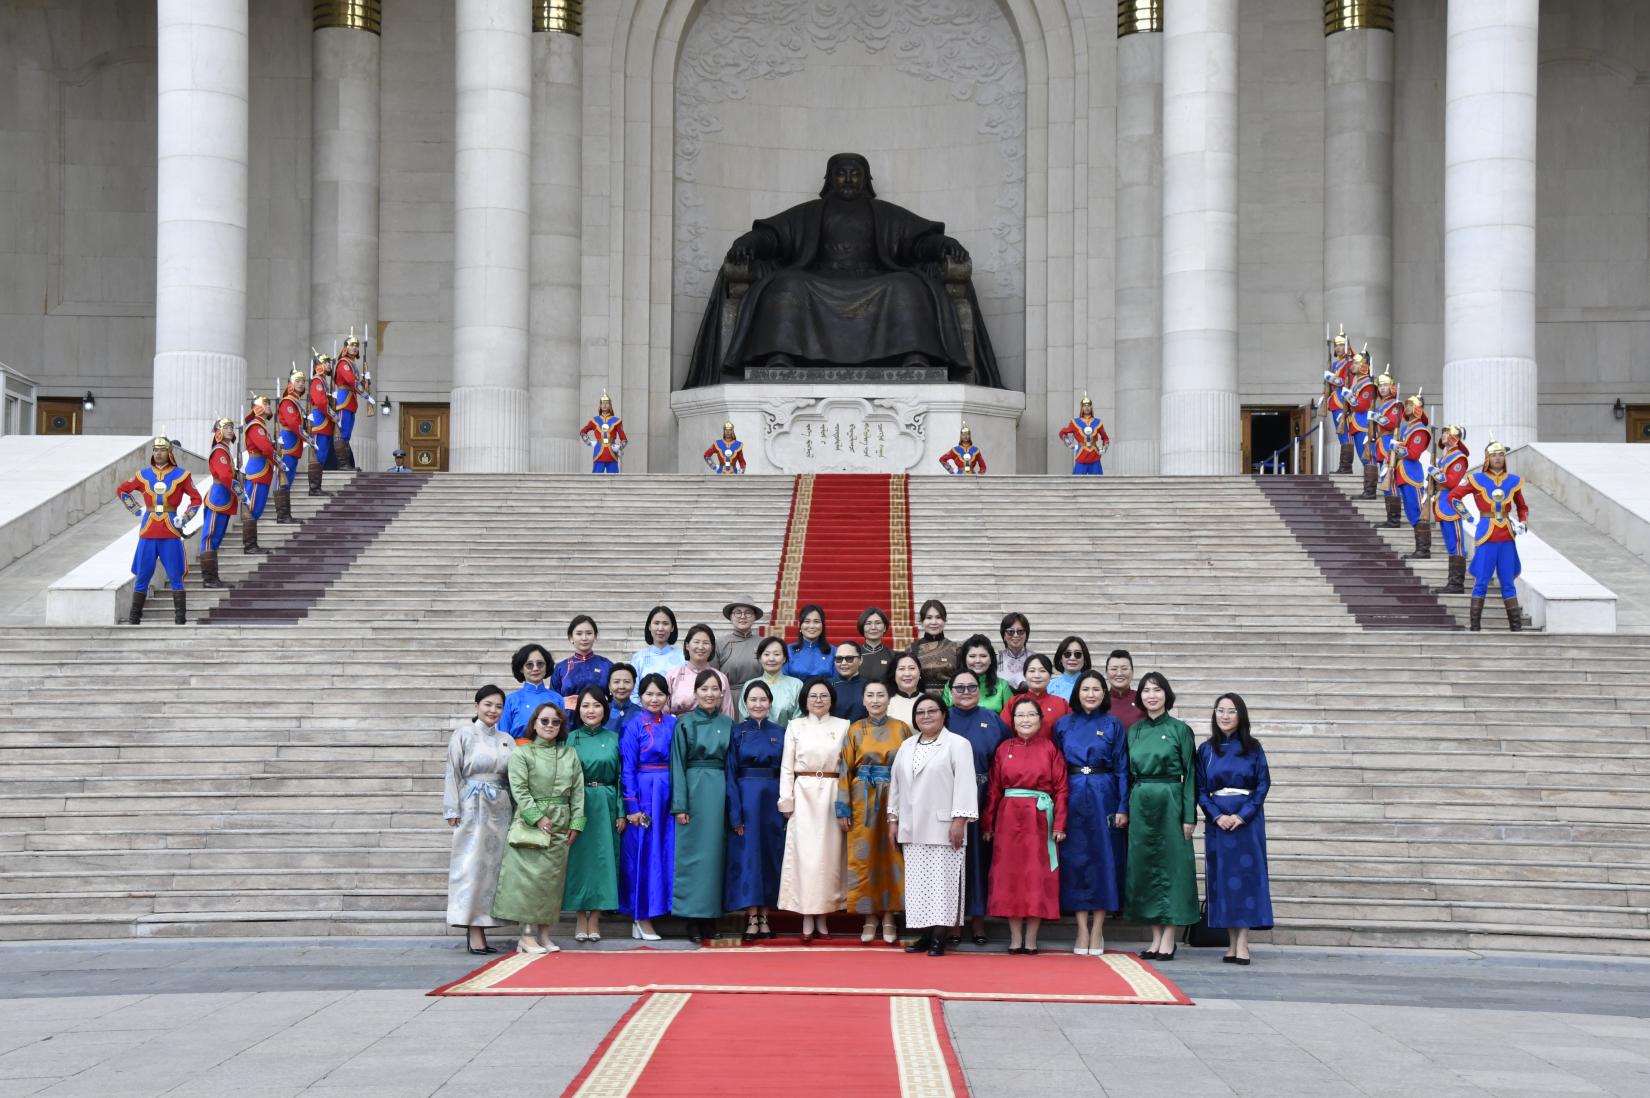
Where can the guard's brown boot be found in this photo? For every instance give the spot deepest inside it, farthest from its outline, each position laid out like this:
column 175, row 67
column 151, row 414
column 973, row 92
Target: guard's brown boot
column 1515, row 616
column 315, row 470
column 1456, row 583
column 1371, row 475
column 346, row 456
column 1475, row 621
column 138, row 599
column 180, row 605
column 1423, row 542
column 249, row 536
column 209, row 569
column 1346, row 458
column 283, row 508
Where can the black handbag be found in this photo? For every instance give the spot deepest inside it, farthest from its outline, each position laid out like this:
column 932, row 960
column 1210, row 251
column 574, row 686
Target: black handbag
column 1201, row 935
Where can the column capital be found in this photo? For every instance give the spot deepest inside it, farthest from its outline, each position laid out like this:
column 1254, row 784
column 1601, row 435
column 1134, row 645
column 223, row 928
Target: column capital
column 367, row 15
column 1345, row 15
column 559, row 16
column 1139, row 17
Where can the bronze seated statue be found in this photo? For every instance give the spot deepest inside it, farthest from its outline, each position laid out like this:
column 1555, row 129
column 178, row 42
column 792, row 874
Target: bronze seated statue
column 845, row 280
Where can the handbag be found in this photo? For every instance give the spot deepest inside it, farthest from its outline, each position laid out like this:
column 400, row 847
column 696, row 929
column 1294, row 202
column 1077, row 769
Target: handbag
column 523, row 835
column 1201, row 935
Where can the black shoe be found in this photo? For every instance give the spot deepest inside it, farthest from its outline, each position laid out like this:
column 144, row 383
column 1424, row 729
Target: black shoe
column 1228, row 960
column 1169, row 956
column 1029, row 951
column 1147, row 955
column 953, row 939
column 981, row 939
column 923, row 944
column 483, row 952
column 938, row 948
column 1016, row 949
column 1240, row 960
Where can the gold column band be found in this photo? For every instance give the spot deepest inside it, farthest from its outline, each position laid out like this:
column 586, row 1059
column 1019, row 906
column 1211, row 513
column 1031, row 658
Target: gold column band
column 367, row 15
column 1343, row 15
column 560, row 16
column 1139, row 17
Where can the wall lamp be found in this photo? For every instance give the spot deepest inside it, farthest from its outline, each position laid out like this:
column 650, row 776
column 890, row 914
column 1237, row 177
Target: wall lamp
column 89, row 402
column 1618, row 407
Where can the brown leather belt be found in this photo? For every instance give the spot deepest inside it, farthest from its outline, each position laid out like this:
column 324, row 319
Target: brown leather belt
column 817, row 774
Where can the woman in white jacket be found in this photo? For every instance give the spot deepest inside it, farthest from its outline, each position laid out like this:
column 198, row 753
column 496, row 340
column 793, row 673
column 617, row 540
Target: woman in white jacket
column 931, row 798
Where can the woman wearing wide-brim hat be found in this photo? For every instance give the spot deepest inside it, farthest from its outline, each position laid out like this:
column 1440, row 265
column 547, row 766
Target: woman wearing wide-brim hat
column 736, row 655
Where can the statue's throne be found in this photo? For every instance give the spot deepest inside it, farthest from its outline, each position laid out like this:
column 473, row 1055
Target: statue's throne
column 954, row 276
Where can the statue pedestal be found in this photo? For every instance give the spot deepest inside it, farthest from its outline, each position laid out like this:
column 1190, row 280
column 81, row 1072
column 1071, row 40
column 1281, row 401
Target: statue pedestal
column 824, row 428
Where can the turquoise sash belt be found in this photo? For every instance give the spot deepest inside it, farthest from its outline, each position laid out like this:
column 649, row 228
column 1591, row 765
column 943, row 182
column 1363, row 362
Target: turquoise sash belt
column 1045, row 805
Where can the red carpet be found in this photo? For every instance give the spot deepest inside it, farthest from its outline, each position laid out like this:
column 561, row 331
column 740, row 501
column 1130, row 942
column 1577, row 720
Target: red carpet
column 847, row 547
column 824, row 970
column 672, row 1044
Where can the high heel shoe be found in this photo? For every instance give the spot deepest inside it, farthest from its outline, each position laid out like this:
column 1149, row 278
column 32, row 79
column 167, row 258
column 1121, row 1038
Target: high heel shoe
column 1147, row 955
column 752, row 930
column 636, row 931
column 767, row 932
column 890, row 933
column 1169, row 956
column 868, row 933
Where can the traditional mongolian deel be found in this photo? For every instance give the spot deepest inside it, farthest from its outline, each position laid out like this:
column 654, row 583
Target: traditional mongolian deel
column 754, row 858
column 162, row 486
column 875, row 872
column 810, row 882
column 1096, row 751
column 1161, row 877
column 1026, row 804
column 259, row 474
column 983, row 730
column 593, row 862
column 650, row 846
column 476, row 793
column 1085, row 436
column 1230, row 783
column 546, row 782
column 699, row 788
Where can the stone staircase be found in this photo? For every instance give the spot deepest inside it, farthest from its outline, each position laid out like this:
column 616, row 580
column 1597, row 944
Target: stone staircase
column 1431, row 788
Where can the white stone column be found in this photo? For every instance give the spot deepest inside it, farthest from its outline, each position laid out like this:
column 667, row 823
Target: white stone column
column 343, row 284
column 201, row 216
column 1138, row 304
column 554, row 303
column 1357, row 154
column 490, row 235
column 1200, row 430
column 1489, row 220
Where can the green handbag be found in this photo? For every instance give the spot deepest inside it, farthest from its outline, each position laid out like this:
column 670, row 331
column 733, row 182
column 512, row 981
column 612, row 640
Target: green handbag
column 521, row 834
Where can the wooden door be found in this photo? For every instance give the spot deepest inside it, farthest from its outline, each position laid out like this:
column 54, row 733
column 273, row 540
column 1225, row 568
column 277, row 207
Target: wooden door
column 58, row 416
column 424, row 435
column 1265, row 429
column 1638, row 423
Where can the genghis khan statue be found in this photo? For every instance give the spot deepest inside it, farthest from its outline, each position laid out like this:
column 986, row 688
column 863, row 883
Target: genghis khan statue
column 845, row 280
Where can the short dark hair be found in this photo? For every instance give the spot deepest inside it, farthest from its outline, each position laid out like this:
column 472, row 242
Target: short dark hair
column 893, row 668
column 1247, row 743
column 807, row 688
column 1082, row 646
column 583, row 619
column 694, row 631
column 1014, row 617
column 647, row 622
column 1105, row 693
column 533, row 721
column 1120, row 654
column 709, row 674
column 822, row 644
column 865, row 616
column 988, row 681
column 518, row 662
column 858, row 651
column 771, row 639
column 652, row 679
column 929, row 697
column 616, row 668
column 601, row 696
column 756, row 684
column 488, row 691
column 1038, row 657
column 1020, row 702
column 1159, row 679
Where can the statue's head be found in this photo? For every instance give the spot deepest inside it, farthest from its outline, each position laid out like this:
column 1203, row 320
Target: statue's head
column 848, row 176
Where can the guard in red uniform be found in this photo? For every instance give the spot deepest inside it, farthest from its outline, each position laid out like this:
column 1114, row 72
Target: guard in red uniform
column 604, row 434
column 1085, row 436
column 1336, row 378
column 259, row 474
column 1499, row 496
column 155, row 495
column 1360, row 405
column 321, row 424
column 1446, row 474
column 1384, row 424
column 345, row 401
column 726, row 456
column 222, row 499
column 1410, row 474
column 964, row 459
column 290, row 416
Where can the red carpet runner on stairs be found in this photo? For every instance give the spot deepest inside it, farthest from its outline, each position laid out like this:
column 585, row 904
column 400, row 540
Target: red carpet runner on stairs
column 847, row 547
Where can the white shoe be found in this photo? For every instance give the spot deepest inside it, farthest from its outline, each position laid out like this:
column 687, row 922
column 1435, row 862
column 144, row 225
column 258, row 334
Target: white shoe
column 1099, row 950
column 543, row 938
column 581, row 937
column 593, row 938
column 529, row 941
column 636, row 931
column 1079, row 951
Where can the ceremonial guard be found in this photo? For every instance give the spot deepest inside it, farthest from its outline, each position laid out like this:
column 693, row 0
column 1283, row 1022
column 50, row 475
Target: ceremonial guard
column 222, row 499
column 258, row 475
column 322, row 427
column 345, row 401
column 163, row 487
column 1384, row 425
column 964, row 459
column 1414, row 440
column 604, row 434
column 1447, row 474
column 1086, row 438
column 726, row 456
column 1502, row 515
column 289, row 439
column 1336, row 378
column 1359, row 398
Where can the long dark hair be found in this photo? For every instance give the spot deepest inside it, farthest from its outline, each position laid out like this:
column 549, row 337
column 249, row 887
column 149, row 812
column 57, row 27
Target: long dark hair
column 1247, row 744
column 823, row 644
column 1105, row 693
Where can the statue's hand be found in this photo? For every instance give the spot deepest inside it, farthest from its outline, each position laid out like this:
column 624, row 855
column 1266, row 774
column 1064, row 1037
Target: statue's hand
column 953, row 251
column 747, row 248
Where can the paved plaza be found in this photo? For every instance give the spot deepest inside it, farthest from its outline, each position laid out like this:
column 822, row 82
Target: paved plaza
column 350, row 1019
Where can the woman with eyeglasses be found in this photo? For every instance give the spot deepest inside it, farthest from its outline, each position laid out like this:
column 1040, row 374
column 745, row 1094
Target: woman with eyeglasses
column 978, row 655
column 475, row 802
column 984, row 731
column 935, row 652
column 878, row 657
column 785, row 691
column 1232, row 783
column 810, row 654
column 1011, row 659
column 874, row 866
column 810, row 881
column 1074, row 660
column 931, row 801
column 699, row 801
column 1039, row 672
column 531, row 666
column 1096, row 751
column 1161, row 881
column 547, row 784
column 756, row 830
column 1025, row 817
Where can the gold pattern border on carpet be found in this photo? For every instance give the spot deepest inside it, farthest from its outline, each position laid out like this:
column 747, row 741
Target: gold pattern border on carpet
column 631, row 1049
column 367, row 15
column 917, row 1052
column 1139, row 17
column 903, row 632
column 1345, row 15
column 790, row 570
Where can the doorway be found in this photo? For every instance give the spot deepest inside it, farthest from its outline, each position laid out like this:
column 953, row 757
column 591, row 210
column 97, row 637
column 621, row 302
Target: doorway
column 424, row 437
column 1268, row 428
column 59, row 416
column 1638, row 423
